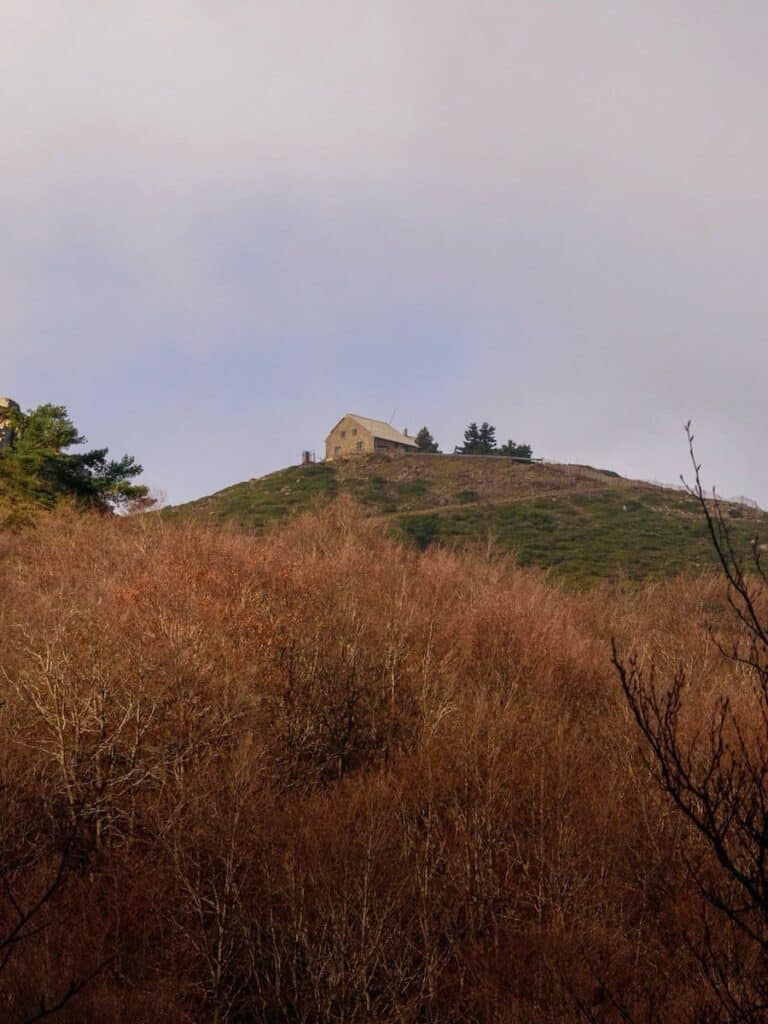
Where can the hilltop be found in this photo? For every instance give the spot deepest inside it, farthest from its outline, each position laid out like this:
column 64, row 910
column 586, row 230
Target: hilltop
column 586, row 524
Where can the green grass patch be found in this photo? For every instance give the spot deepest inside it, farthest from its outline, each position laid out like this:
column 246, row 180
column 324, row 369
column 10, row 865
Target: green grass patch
column 256, row 503
column 584, row 538
column 466, row 497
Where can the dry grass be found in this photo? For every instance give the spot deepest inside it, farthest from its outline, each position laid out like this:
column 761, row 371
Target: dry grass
column 318, row 776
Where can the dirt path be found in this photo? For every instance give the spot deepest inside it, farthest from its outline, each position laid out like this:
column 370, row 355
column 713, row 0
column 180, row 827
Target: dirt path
column 517, row 499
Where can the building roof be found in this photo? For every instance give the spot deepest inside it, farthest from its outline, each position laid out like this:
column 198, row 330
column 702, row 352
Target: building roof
column 383, row 430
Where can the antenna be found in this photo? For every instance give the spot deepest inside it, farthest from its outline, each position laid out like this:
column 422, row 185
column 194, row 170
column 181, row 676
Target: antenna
column 394, row 413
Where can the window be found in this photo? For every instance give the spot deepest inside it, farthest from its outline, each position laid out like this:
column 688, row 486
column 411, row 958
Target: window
column 337, row 450
column 343, row 434
column 359, row 446
column 354, row 431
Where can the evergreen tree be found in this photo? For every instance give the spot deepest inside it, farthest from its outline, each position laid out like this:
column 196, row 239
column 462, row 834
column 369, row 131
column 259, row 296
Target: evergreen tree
column 38, row 459
column 482, row 441
column 471, row 440
column 426, row 442
column 518, row 451
column 487, row 438
column 478, row 440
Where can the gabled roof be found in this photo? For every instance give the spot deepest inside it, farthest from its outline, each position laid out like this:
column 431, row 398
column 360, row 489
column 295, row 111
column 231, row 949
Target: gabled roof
column 383, row 430
column 379, row 429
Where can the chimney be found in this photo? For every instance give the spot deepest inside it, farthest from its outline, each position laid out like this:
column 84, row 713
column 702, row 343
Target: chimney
column 406, row 431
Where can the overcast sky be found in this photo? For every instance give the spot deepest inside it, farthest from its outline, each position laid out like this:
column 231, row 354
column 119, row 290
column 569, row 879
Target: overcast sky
column 227, row 223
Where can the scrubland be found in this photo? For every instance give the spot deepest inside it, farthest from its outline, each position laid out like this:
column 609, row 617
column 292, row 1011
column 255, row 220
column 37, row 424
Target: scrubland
column 317, row 775
column 586, row 525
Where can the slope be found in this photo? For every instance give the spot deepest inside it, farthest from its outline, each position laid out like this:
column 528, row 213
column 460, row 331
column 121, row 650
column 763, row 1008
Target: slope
column 585, row 524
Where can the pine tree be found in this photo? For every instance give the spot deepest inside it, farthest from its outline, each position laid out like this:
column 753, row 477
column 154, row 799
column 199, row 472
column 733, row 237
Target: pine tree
column 38, row 459
column 426, row 442
column 487, row 438
column 479, row 440
column 482, row 441
column 517, row 451
column 471, row 444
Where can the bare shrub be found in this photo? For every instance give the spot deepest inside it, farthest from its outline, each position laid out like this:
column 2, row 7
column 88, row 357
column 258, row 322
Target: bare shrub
column 318, row 777
column 707, row 742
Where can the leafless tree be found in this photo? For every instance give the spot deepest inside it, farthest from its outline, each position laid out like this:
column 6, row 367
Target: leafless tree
column 23, row 919
column 715, row 772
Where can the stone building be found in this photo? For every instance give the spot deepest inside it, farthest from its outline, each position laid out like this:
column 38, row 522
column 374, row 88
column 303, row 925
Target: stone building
column 9, row 411
column 356, row 435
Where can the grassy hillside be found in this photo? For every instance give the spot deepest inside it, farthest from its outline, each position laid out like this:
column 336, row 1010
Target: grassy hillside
column 586, row 524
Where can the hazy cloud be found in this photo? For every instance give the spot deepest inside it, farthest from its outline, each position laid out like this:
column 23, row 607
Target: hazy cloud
column 224, row 224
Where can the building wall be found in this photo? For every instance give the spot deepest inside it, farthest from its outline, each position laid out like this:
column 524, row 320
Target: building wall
column 348, row 437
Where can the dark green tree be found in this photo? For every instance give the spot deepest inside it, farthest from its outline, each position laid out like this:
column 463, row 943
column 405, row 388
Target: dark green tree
column 426, row 442
column 40, row 460
column 478, row 440
column 471, row 440
column 517, row 451
column 487, row 438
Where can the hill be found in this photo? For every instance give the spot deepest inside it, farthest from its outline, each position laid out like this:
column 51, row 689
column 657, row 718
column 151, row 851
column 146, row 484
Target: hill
column 586, row 524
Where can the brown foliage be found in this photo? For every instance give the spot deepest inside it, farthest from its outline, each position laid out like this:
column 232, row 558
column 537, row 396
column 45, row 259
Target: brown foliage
column 711, row 760
column 318, row 777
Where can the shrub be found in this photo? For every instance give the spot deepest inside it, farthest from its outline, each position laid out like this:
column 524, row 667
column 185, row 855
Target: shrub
column 320, row 776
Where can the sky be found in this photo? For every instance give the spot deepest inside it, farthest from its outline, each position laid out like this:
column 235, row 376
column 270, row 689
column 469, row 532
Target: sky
column 225, row 224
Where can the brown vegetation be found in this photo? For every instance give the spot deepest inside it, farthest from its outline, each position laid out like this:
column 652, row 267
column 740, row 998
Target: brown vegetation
column 318, row 776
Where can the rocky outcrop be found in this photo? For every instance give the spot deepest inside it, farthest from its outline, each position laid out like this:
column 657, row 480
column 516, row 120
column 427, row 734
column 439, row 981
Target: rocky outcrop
column 9, row 413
